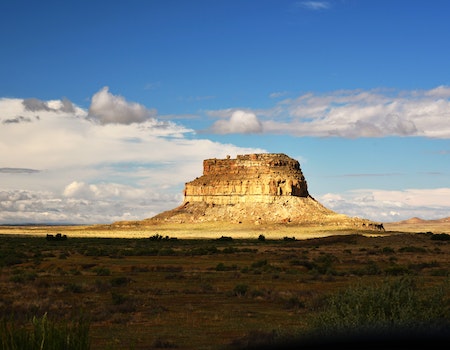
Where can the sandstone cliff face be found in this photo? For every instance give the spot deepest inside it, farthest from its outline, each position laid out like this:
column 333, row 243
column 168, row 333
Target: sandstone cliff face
column 257, row 188
column 253, row 178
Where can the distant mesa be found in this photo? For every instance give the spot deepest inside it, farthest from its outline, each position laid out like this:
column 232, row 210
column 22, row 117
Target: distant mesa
column 414, row 220
column 257, row 188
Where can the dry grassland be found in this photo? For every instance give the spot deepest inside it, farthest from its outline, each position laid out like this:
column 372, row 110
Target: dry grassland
column 208, row 293
column 190, row 231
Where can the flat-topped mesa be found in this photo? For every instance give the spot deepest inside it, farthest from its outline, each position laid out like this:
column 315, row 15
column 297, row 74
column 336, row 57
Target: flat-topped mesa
column 251, row 178
column 254, row 188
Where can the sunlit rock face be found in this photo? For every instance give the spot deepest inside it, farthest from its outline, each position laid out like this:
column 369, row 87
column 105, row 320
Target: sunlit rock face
column 254, row 188
column 251, row 178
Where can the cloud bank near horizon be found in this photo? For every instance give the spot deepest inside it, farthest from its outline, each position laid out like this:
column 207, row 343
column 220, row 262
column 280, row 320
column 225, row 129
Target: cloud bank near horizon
column 115, row 161
column 391, row 205
column 348, row 114
column 119, row 160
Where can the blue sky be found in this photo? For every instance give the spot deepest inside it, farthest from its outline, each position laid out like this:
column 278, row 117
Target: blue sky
column 108, row 107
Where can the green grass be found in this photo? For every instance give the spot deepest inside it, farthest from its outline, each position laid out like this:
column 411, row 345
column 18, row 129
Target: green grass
column 395, row 303
column 40, row 333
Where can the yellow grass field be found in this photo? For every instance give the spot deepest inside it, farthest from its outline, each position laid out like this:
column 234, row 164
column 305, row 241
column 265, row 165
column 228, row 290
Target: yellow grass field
column 213, row 230
column 186, row 231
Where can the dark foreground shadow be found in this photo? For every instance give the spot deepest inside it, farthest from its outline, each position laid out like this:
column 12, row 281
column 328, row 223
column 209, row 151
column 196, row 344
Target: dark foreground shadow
column 404, row 339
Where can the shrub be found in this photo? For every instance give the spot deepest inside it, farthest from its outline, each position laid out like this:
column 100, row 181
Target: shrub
column 240, row 289
column 222, row 267
column 397, row 270
column 388, row 250
column 440, row 272
column 12, row 258
column 158, row 237
column 202, row 251
column 323, row 264
column 117, row 298
column 423, row 265
column 229, row 250
column 58, row 237
column 259, row 263
column 440, row 237
column 225, row 239
column 120, row 281
column 22, row 276
column 412, row 249
column 161, row 343
column 394, row 304
column 102, row 271
column 94, row 251
column 371, row 268
column 74, row 288
column 303, row 262
column 294, row 302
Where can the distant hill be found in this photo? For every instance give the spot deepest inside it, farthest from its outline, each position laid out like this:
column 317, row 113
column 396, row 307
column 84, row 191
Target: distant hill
column 416, row 220
column 416, row 224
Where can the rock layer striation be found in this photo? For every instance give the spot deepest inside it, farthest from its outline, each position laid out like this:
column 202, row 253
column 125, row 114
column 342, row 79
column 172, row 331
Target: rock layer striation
column 251, row 178
column 258, row 188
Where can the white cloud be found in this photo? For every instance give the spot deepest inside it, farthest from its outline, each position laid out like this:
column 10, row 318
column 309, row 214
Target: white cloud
column 19, row 206
column 314, row 5
column 352, row 114
column 240, row 122
column 108, row 108
column 388, row 206
column 58, row 165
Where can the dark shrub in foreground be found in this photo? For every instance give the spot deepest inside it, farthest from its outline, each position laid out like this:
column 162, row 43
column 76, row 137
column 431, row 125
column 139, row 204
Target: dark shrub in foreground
column 440, row 237
column 395, row 304
column 44, row 334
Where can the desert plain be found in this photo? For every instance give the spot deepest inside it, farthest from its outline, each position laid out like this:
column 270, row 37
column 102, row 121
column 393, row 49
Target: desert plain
column 223, row 286
column 208, row 230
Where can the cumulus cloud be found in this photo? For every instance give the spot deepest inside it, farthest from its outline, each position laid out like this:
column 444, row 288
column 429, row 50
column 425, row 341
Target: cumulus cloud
column 80, row 189
column 94, row 172
column 36, row 105
column 108, row 108
column 132, row 168
column 45, row 207
column 355, row 113
column 240, row 122
column 67, row 106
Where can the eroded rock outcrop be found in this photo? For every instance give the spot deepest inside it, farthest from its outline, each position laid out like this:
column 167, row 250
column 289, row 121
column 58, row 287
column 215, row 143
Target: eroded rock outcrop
column 251, row 178
column 258, row 188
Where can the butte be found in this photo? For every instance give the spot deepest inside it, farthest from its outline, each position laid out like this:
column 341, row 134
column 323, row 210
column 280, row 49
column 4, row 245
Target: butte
column 264, row 188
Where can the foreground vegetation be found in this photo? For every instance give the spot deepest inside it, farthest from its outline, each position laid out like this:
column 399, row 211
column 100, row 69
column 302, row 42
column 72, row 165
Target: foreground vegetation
column 222, row 293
